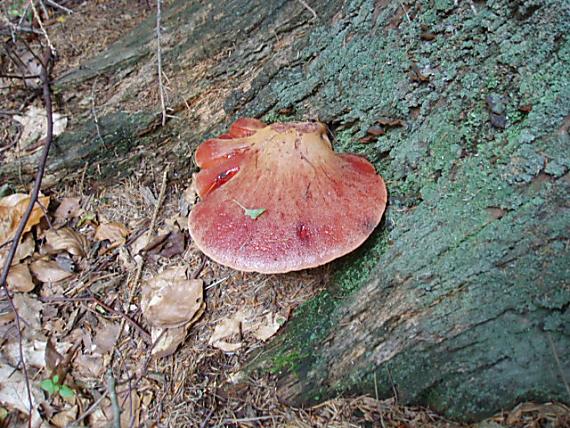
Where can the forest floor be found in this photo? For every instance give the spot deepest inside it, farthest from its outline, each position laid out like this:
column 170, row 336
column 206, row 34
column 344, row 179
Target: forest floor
column 96, row 253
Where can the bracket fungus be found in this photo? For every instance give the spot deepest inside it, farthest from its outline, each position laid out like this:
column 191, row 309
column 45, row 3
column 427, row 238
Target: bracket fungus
column 276, row 198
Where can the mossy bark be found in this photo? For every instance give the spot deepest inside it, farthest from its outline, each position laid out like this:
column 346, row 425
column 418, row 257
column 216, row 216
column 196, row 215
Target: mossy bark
column 460, row 301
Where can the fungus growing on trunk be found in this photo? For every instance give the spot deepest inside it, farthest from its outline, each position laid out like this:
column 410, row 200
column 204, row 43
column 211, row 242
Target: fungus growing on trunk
column 277, row 198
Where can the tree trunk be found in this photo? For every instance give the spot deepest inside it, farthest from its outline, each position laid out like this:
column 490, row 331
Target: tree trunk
column 460, row 301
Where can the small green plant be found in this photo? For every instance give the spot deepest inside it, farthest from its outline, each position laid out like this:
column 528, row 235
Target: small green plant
column 52, row 386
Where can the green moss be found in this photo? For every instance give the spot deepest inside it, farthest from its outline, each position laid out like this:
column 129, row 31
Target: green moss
column 273, row 117
column 287, row 361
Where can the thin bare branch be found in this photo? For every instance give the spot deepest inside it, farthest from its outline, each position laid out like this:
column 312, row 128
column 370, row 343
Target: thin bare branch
column 20, row 230
column 114, row 399
column 159, row 59
column 44, row 32
column 58, row 6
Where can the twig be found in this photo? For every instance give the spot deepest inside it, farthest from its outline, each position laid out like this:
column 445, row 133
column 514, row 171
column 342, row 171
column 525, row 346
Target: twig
column 114, row 400
column 21, row 77
column 253, row 419
column 26, row 216
column 159, row 59
column 558, row 364
column 219, row 281
column 405, row 11
column 3, row 244
column 45, row 211
column 375, row 386
column 309, row 8
column 207, row 418
column 132, row 322
column 41, row 24
column 58, row 6
column 94, row 114
column 159, row 201
column 394, row 390
column 82, row 180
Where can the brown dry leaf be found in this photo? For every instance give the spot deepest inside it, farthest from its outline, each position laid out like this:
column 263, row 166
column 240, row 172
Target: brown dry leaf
column 130, row 410
column 30, row 311
column 106, row 336
column 66, row 239
column 19, row 278
column 25, row 249
column 12, row 209
column 187, row 200
column 68, row 208
column 34, row 351
column 174, row 245
column 46, row 270
column 156, row 243
column 267, row 326
column 13, row 392
column 114, row 232
column 170, row 338
column 139, row 244
column 170, row 299
column 88, row 367
column 52, row 357
column 131, row 407
column 229, row 328
column 64, row 418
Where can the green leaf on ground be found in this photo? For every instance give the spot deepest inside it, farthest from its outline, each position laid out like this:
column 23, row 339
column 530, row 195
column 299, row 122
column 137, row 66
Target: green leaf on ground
column 252, row 213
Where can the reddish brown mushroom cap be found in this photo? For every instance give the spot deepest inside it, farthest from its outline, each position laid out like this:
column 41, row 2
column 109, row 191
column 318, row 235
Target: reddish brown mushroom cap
column 312, row 205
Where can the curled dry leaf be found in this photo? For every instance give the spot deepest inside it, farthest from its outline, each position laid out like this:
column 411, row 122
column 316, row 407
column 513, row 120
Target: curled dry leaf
column 170, row 338
column 46, row 270
column 264, row 328
column 12, row 209
column 171, row 303
column 170, row 299
column 227, row 334
column 166, row 340
column 66, row 239
column 19, row 278
column 114, row 232
column 25, row 249
column 68, row 208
